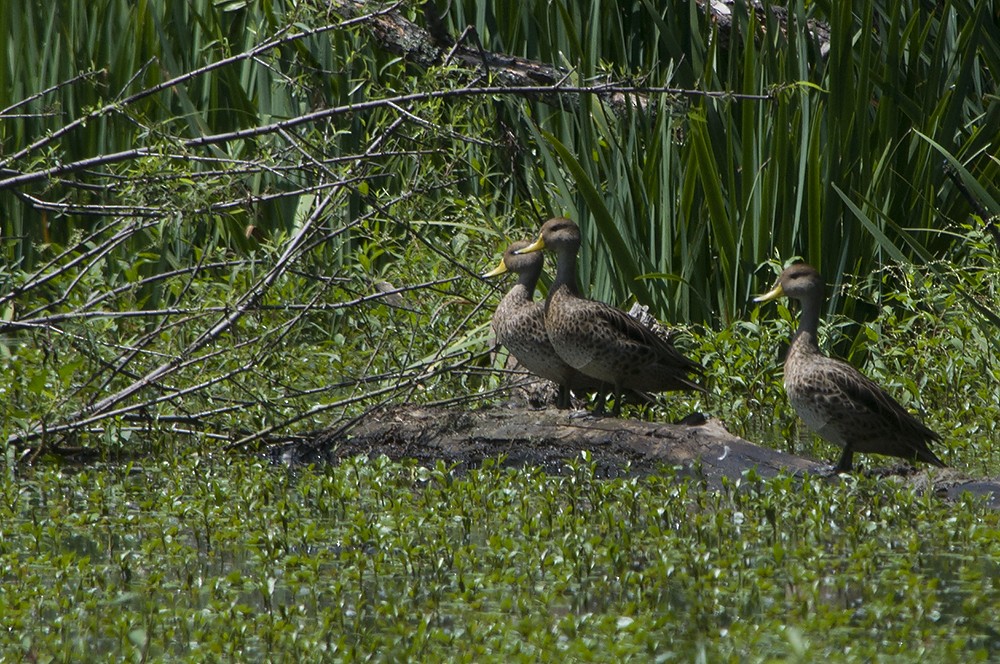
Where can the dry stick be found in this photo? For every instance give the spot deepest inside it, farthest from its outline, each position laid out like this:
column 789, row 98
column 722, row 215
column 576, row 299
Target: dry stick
column 104, row 209
column 989, row 221
column 374, row 146
column 354, row 382
column 97, row 298
column 410, row 377
column 247, row 301
column 394, row 291
column 193, row 315
column 81, row 424
column 91, row 210
column 266, row 198
column 415, row 376
column 165, row 85
column 84, row 423
column 463, row 398
column 100, row 411
column 141, row 345
column 122, row 361
column 273, row 338
column 444, row 131
column 94, row 261
column 435, row 249
column 253, row 132
column 40, row 277
column 376, row 349
column 526, row 379
column 174, row 394
column 439, row 355
column 314, row 410
column 27, row 100
column 45, row 322
column 247, row 168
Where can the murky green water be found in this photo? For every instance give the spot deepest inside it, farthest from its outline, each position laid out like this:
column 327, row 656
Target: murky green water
column 230, row 558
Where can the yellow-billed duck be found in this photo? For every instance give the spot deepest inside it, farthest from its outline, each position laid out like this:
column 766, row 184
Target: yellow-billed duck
column 598, row 340
column 519, row 324
column 833, row 398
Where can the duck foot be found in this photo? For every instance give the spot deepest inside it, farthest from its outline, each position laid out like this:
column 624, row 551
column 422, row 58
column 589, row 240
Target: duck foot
column 584, row 413
column 693, row 419
column 828, row 471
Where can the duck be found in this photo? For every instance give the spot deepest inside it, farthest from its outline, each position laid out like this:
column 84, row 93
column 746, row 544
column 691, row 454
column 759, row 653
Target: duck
column 834, row 399
column 519, row 324
column 600, row 341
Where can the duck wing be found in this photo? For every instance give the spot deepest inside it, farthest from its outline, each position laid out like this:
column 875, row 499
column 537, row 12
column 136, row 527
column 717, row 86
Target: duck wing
column 630, row 329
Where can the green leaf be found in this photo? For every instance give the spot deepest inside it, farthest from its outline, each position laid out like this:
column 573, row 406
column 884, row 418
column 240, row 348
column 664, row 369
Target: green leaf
column 608, row 229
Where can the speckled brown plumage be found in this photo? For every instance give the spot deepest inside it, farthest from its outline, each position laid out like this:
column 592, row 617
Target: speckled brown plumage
column 519, row 324
column 836, row 400
column 601, row 341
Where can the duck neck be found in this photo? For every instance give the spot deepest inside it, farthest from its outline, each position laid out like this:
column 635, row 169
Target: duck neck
column 526, row 282
column 566, row 272
column 808, row 322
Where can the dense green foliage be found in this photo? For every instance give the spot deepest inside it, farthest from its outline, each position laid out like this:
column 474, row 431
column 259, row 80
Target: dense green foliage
column 222, row 286
column 223, row 222
column 203, row 224
column 212, row 560
column 834, row 165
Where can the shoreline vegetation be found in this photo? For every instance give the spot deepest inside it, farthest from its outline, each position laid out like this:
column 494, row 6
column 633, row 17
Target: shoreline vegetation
column 226, row 227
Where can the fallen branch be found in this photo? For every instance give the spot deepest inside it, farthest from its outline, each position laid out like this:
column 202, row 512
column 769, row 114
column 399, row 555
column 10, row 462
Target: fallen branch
column 551, row 438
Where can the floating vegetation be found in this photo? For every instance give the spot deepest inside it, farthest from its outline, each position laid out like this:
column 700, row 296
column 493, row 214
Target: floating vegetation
column 227, row 558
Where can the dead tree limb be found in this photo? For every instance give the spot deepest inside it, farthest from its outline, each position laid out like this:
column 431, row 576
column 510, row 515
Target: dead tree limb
column 433, row 47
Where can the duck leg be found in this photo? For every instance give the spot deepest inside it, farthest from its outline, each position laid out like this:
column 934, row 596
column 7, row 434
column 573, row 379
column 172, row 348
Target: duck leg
column 602, row 397
column 845, row 465
column 563, row 400
column 601, row 400
column 617, row 410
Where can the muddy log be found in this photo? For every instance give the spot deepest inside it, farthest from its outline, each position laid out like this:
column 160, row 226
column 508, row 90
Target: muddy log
column 551, row 438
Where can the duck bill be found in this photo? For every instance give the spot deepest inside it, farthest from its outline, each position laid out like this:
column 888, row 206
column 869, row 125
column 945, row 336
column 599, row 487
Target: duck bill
column 537, row 245
column 499, row 269
column 772, row 294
